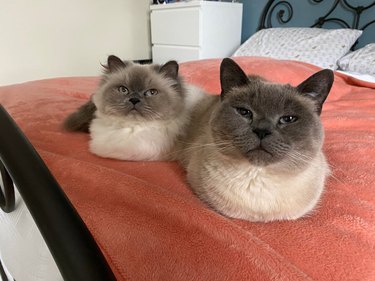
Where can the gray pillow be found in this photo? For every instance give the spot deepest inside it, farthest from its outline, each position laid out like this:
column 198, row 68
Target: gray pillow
column 360, row 61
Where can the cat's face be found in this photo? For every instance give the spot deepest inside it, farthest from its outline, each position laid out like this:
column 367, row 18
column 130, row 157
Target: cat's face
column 269, row 123
column 140, row 92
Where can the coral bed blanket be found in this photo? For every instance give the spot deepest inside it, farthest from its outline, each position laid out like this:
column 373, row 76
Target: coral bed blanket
column 151, row 227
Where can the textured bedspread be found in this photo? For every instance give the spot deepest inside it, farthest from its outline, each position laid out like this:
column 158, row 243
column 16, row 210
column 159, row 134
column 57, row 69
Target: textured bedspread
column 151, row 227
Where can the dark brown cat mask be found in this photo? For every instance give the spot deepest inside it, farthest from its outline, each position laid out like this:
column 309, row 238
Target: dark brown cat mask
column 149, row 91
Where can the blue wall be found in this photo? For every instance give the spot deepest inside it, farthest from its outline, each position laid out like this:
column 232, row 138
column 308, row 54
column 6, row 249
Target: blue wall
column 252, row 9
column 305, row 14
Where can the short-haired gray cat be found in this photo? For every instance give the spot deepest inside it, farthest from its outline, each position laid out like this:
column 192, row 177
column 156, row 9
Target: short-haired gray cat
column 255, row 152
column 137, row 112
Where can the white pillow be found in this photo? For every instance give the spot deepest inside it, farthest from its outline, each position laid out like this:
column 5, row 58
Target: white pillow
column 321, row 47
column 361, row 60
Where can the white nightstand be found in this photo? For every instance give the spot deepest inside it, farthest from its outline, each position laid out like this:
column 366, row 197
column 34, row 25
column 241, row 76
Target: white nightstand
column 194, row 30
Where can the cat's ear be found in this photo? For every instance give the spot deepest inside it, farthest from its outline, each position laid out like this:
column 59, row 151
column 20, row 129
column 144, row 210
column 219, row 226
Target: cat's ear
column 114, row 63
column 317, row 87
column 231, row 76
column 170, row 69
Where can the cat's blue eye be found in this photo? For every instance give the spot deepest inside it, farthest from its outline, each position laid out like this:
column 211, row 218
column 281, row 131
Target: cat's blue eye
column 288, row 119
column 244, row 112
column 123, row 90
column 150, row 92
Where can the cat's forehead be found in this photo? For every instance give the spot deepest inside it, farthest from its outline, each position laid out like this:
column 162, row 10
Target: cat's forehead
column 136, row 76
column 268, row 97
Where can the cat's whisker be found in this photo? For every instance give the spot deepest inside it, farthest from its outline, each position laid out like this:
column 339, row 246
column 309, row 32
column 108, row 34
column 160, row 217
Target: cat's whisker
column 299, row 157
column 205, row 144
column 193, row 148
column 154, row 114
column 332, row 175
column 219, row 146
column 113, row 108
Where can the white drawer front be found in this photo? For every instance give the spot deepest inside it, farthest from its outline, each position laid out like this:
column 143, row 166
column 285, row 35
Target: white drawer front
column 176, row 27
column 162, row 54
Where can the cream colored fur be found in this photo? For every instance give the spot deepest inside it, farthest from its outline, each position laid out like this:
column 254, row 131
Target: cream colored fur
column 237, row 189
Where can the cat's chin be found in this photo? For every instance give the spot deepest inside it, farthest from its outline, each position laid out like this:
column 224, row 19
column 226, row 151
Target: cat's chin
column 260, row 157
column 135, row 115
column 134, row 112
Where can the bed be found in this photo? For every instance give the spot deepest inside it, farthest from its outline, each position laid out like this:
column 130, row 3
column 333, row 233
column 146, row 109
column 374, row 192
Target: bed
column 106, row 219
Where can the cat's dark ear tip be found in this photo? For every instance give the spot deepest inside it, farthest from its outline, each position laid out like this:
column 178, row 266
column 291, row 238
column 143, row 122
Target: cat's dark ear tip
column 114, row 63
column 329, row 76
column 227, row 61
column 229, row 65
column 329, row 73
column 170, row 69
column 172, row 62
column 109, row 59
column 231, row 76
column 112, row 59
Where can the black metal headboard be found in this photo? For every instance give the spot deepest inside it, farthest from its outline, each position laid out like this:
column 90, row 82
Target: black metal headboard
column 353, row 15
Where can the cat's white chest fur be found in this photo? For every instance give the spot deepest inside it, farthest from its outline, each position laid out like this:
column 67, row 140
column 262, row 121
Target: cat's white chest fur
column 124, row 140
column 255, row 193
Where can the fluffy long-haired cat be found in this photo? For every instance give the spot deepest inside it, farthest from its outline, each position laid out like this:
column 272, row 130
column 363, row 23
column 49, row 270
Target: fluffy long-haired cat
column 137, row 112
column 255, row 151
